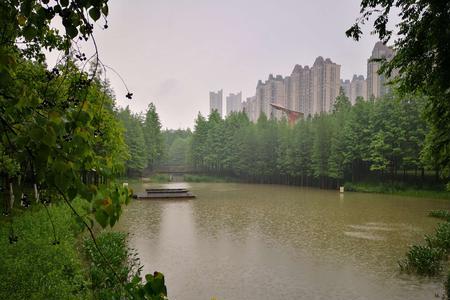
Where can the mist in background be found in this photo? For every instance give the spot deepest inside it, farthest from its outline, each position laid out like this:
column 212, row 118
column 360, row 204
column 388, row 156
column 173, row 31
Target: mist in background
column 172, row 53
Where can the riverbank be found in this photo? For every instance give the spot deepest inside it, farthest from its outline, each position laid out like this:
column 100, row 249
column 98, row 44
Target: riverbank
column 155, row 178
column 208, row 178
column 39, row 262
column 398, row 189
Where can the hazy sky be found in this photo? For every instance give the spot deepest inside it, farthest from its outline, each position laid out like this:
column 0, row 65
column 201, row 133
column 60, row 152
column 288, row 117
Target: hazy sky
column 173, row 52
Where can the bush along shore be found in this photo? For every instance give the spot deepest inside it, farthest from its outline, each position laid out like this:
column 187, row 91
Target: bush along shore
column 46, row 255
column 385, row 140
column 430, row 257
column 399, row 188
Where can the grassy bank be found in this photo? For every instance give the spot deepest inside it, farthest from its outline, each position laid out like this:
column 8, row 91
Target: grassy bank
column 40, row 265
column 399, row 189
column 160, row 178
column 208, row 178
column 157, row 178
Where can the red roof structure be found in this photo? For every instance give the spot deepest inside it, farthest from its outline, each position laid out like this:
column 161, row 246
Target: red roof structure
column 292, row 115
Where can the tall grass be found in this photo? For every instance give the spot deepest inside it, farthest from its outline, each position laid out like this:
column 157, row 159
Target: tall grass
column 398, row 189
column 38, row 266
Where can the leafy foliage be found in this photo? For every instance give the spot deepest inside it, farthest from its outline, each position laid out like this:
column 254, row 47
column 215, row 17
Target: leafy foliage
column 422, row 60
column 134, row 138
column 440, row 214
column 143, row 137
column 121, row 279
column 423, row 260
column 153, row 136
column 59, row 136
column 427, row 259
column 378, row 138
column 35, row 267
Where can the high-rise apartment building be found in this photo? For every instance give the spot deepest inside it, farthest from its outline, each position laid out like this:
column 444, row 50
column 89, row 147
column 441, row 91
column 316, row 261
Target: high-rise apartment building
column 308, row 90
column 358, row 88
column 215, row 102
column 273, row 90
column 346, row 87
column 250, row 108
column 376, row 83
column 326, row 83
column 355, row 88
column 259, row 98
column 234, row 103
column 311, row 90
column 299, row 92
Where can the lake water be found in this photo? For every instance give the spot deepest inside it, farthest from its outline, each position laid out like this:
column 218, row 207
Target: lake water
column 245, row 241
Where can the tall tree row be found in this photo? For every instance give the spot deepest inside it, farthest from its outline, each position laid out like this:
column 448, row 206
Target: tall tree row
column 382, row 139
column 143, row 137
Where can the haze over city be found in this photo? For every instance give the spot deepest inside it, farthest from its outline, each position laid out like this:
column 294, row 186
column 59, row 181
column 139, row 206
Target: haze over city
column 173, row 54
column 223, row 150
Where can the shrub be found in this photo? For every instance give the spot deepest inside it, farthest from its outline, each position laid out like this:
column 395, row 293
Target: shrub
column 440, row 214
column 120, row 278
column 441, row 237
column 37, row 266
column 160, row 178
column 108, row 279
column 423, row 260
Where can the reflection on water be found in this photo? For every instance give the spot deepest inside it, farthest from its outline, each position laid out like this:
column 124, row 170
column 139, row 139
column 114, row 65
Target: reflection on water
column 240, row 241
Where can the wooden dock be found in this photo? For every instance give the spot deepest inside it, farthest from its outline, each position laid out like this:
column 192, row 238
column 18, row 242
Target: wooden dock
column 164, row 193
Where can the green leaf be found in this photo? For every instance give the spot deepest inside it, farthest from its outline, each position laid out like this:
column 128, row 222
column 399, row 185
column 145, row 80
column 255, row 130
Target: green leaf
column 105, row 9
column 71, row 31
column 112, row 221
column 102, row 217
column 37, row 134
column 72, row 193
column 29, row 33
column 84, row 117
column 50, row 137
column 64, row 3
column 94, row 12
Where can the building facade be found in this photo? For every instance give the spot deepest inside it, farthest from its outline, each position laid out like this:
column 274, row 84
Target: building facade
column 326, row 83
column 346, row 87
column 299, row 96
column 309, row 90
column 377, row 84
column 215, row 102
column 358, row 88
column 234, row 103
column 250, row 108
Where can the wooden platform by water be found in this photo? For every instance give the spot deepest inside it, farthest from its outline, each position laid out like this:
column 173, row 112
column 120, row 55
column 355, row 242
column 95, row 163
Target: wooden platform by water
column 165, row 193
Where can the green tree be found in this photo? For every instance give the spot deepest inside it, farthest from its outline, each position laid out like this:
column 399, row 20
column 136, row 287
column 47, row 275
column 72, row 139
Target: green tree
column 134, row 138
column 153, row 137
column 422, row 60
column 357, row 137
column 214, row 143
column 337, row 160
column 323, row 131
column 303, row 143
column 178, row 151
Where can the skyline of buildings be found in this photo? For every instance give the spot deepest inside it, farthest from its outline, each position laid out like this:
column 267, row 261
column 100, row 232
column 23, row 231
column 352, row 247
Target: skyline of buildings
column 311, row 90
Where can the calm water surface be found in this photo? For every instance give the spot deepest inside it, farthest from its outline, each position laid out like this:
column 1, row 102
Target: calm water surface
column 242, row 241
